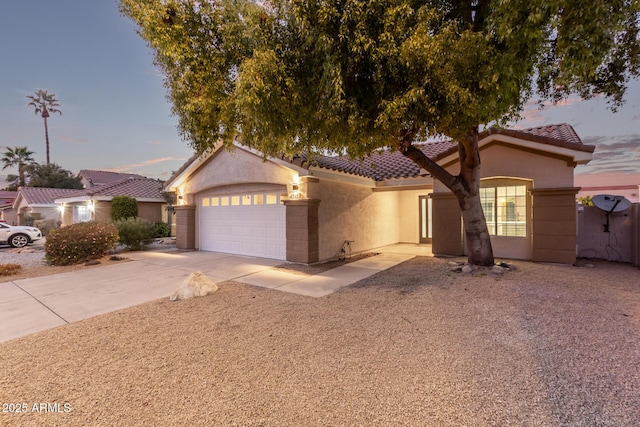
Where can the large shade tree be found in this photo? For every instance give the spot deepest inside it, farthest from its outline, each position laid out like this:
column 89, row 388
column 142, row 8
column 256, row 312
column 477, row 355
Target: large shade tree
column 52, row 176
column 350, row 77
column 44, row 103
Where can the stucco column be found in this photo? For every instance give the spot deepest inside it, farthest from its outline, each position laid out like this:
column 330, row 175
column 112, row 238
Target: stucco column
column 447, row 225
column 185, row 226
column 554, row 225
column 302, row 230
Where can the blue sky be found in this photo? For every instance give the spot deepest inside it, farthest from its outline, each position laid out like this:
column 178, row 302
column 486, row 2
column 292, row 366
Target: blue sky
column 116, row 117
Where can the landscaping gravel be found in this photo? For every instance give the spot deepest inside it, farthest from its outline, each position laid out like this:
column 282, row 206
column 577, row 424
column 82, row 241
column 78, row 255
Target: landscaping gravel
column 416, row 345
column 31, row 256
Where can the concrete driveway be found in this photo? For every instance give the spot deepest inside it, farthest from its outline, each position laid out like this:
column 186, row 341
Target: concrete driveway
column 40, row 303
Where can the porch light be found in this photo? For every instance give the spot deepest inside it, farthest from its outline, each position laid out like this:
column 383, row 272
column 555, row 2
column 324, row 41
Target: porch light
column 61, row 208
column 295, row 187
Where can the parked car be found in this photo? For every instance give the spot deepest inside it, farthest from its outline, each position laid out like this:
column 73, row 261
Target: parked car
column 18, row 236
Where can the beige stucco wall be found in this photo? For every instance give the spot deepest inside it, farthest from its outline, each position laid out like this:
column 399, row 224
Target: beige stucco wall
column 535, row 169
column 409, row 215
column 233, row 168
column 507, row 161
column 352, row 212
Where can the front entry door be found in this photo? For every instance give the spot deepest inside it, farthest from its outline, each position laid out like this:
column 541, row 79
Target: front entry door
column 425, row 219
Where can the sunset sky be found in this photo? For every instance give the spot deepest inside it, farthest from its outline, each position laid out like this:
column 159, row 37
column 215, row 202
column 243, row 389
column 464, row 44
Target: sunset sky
column 116, row 117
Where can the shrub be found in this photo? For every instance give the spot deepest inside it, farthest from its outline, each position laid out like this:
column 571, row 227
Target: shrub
column 162, row 229
column 9, row 269
column 80, row 242
column 135, row 233
column 123, row 207
column 46, row 225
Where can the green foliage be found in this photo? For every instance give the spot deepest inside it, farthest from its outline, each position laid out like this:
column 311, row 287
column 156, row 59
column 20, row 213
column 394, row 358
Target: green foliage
column 21, row 157
column 46, row 225
column 356, row 76
column 136, row 233
column 287, row 76
column 27, row 220
column 123, row 207
column 52, row 176
column 162, row 229
column 586, row 201
column 80, row 242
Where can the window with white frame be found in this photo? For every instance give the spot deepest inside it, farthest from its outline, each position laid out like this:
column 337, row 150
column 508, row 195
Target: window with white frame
column 82, row 213
column 505, row 209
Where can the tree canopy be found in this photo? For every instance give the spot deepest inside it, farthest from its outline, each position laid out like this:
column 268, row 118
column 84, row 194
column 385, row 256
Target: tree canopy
column 52, row 176
column 347, row 76
column 44, row 103
column 20, row 157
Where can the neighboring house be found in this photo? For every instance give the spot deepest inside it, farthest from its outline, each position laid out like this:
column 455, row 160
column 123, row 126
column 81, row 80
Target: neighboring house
column 94, row 203
column 7, row 214
column 302, row 211
column 37, row 203
column 92, row 178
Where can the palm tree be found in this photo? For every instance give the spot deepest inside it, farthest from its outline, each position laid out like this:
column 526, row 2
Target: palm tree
column 20, row 157
column 43, row 104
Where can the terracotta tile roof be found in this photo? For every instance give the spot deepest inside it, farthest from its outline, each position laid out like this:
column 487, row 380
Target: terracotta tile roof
column 96, row 177
column 43, row 196
column 390, row 164
column 138, row 187
column 561, row 132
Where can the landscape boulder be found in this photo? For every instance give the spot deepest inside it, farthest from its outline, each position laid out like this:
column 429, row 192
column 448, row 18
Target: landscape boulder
column 196, row 285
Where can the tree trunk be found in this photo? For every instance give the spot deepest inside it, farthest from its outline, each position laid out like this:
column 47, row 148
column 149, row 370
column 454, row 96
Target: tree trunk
column 466, row 187
column 46, row 136
column 479, row 250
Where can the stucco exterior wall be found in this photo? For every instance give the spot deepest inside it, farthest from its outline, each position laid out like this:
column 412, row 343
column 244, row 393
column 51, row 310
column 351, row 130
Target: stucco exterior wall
column 350, row 212
column 617, row 244
column 103, row 211
column 504, row 164
column 151, row 211
column 10, row 216
column 233, row 168
column 507, row 161
column 554, row 225
column 409, row 215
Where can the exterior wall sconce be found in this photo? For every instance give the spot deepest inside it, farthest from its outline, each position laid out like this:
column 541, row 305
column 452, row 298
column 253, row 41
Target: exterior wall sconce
column 295, row 187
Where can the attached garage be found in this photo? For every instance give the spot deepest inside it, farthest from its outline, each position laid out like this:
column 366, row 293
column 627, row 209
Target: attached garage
column 248, row 223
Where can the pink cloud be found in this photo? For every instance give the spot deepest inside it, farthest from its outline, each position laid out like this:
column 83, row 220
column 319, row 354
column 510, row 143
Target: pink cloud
column 129, row 168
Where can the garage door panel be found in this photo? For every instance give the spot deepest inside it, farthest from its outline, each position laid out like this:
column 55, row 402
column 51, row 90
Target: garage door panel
column 256, row 230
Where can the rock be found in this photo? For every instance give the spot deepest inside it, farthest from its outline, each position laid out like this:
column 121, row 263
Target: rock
column 467, row 268
column 497, row 269
column 94, row 262
column 196, row 285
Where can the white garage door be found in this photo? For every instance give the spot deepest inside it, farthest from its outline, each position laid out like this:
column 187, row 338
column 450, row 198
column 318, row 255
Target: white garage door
column 247, row 224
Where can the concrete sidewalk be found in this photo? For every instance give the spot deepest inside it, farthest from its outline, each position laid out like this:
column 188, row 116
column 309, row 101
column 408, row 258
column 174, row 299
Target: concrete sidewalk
column 40, row 303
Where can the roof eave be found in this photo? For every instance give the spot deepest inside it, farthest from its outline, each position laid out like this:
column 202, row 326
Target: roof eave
column 580, row 154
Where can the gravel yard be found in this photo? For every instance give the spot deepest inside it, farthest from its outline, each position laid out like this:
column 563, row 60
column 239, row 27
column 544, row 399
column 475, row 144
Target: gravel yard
column 416, row 345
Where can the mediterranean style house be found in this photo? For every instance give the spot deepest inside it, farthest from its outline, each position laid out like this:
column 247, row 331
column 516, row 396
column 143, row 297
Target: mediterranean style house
column 302, row 210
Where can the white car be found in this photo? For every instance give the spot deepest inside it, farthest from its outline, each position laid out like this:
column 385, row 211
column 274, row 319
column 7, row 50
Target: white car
column 18, row 236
